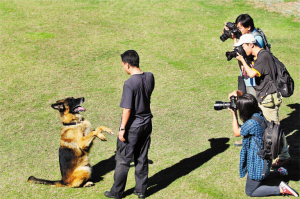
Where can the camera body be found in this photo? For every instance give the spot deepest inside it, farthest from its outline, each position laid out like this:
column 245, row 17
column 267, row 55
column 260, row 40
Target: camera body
column 240, row 50
column 232, row 29
column 225, row 105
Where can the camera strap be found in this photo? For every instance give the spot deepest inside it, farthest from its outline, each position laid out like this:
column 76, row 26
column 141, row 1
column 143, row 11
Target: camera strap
column 246, row 74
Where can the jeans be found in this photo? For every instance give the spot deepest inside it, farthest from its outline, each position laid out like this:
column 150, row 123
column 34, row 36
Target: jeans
column 256, row 189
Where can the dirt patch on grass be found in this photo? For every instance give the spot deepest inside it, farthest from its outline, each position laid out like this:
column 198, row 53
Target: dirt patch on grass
column 285, row 8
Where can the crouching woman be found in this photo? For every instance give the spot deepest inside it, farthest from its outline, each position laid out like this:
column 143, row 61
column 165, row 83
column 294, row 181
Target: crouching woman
column 250, row 163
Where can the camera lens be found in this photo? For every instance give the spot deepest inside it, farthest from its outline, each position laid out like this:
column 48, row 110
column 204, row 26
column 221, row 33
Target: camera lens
column 223, row 37
column 226, row 35
column 221, row 105
column 230, row 55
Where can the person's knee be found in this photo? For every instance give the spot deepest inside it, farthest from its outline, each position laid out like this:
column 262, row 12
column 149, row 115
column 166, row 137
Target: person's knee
column 248, row 193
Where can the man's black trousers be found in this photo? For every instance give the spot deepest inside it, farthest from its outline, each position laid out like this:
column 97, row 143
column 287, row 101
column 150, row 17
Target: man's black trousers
column 136, row 145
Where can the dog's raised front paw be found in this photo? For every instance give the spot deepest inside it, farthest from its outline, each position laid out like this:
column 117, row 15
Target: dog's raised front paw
column 109, row 131
column 103, row 128
column 101, row 136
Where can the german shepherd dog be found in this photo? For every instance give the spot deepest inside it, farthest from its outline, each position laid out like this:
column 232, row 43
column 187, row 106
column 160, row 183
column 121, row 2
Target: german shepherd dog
column 76, row 141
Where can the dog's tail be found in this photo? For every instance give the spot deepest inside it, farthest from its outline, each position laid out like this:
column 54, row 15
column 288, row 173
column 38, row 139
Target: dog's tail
column 58, row 183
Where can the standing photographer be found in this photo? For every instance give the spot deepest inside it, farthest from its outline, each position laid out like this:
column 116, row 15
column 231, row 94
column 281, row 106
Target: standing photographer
column 245, row 24
column 250, row 162
column 266, row 92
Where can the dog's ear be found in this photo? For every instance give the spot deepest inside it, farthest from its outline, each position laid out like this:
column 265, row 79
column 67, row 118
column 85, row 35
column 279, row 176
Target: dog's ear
column 58, row 106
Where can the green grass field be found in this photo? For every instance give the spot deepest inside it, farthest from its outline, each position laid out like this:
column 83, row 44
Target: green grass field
column 56, row 49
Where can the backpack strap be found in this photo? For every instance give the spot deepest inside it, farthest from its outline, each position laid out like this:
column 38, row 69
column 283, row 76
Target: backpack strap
column 265, row 168
column 262, row 34
column 274, row 71
column 261, row 122
column 261, row 152
column 256, row 34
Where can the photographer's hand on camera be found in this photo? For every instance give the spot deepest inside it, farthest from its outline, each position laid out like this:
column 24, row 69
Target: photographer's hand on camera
column 251, row 73
column 233, row 114
column 235, row 40
column 235, row 125
column 240, row 58
column 235, row 93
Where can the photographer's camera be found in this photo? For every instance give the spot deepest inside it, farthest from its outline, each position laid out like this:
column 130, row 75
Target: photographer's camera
column 232, row 29
column 225, row 105
column 241, row 51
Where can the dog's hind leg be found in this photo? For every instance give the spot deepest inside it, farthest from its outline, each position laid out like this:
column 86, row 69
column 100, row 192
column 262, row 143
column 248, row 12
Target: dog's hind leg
column 80, row 177
column 88, row 184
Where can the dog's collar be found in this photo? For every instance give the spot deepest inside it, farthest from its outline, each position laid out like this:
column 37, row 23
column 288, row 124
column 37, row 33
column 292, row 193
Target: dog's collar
column 69, row 124
column 72, row 123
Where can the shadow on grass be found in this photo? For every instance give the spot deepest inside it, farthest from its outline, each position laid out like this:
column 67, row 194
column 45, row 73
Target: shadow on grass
column 165, row 177
column 102, row 168
column 291, row 127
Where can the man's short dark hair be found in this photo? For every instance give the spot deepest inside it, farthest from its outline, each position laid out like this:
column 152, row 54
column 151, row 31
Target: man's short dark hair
column 247, row 106
column 246, row 21
column 131, row 57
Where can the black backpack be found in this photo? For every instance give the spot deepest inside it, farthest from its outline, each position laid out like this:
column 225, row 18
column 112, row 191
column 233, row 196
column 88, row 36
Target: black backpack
column 282, row 80
column 272, row 141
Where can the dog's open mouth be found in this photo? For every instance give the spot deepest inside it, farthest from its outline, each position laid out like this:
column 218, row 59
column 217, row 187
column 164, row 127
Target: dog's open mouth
column 78, row 109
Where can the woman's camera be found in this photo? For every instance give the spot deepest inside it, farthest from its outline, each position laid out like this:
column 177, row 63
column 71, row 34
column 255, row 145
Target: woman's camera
column 225, row 105
column 232, row 29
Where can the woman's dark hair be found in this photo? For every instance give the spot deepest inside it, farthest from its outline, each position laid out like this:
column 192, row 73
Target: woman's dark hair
column 247, row 106
column 246, row 21
column 131, row 57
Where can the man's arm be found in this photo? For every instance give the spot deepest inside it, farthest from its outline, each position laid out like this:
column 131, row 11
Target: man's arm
column 251, row 73
column 125, row 118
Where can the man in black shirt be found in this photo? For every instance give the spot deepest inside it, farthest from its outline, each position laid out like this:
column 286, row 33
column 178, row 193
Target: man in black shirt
column 263, row 73
column 266, row 92
column 135, row 129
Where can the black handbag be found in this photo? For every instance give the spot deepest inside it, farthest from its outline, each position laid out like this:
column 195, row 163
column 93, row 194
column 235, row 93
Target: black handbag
column 241, row 84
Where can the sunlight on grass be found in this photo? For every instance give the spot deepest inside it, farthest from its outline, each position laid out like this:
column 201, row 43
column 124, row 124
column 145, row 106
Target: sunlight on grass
column 56, row 49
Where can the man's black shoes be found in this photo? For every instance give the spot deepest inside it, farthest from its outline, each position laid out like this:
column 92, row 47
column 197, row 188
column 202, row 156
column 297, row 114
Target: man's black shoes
column 110, row 195
column 140, row 195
